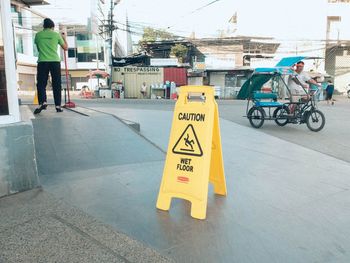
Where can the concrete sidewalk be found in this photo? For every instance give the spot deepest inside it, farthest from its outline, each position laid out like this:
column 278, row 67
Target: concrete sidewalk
column 36, row 227
column 285, row 203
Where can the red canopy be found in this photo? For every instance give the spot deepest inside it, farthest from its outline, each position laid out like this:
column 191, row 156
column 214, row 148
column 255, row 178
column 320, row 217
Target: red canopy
column 98, row 74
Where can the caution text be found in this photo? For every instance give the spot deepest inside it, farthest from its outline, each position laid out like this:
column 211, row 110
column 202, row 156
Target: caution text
column 185, row 116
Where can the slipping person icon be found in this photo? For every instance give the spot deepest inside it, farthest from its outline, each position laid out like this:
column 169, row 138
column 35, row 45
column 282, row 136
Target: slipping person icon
column 189, row 143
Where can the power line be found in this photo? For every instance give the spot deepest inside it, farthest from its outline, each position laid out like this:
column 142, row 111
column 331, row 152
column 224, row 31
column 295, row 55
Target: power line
column 196, row 10
column 141, row 25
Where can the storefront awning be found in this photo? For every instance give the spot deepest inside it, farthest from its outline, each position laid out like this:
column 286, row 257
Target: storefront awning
column 34, row 2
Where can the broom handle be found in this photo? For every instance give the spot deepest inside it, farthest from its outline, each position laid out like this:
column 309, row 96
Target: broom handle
column 66, row 69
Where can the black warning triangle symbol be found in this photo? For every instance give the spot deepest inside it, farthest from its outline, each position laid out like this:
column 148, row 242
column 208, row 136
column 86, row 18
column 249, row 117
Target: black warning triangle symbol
column 188, row 143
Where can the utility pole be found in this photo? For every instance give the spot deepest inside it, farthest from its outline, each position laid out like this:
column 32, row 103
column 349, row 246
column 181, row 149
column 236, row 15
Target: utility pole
column 108, row 26
column 111, row 28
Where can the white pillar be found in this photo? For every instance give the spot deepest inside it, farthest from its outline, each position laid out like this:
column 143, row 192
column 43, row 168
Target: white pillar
column 10, row 70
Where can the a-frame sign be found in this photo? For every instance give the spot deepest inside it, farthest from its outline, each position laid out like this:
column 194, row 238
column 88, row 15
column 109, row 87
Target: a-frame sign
column 194, row 156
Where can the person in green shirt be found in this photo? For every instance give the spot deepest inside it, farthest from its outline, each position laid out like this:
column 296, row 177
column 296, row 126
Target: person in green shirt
column 47, row 42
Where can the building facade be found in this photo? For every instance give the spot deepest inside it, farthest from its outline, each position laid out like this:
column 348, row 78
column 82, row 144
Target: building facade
column 337, row 53
column 224, row 63
column 26, row 23
column 86, row 52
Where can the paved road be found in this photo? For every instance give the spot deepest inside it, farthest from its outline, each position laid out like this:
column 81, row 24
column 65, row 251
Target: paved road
column 333, row 140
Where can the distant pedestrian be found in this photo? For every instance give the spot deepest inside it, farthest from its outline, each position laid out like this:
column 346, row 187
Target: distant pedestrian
column 143, row 90
column 329, row 92
column 315, row 90
column 47, row 42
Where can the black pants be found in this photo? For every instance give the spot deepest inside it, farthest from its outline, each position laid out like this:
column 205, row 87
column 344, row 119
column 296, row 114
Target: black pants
column 42, row 76
column 329, row 96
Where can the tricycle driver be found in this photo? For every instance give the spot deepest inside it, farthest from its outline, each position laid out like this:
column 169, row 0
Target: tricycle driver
column 298, row 85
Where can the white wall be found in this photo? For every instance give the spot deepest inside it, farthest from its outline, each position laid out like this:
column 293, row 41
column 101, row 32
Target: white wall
column 90, row 65
column 71, row 42
column 342, row 10
column 342, row 79
column 225, row 61
column 26, row 59
column 196, row 81
column 217, row 79
column 341, row 82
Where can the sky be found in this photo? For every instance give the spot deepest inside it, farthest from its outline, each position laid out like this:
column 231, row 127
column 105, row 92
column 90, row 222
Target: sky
column 276, row 18
column 69, row 11
column 298, row 25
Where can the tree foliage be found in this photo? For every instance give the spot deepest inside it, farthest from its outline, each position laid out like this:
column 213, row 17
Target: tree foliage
column 151, row 34
column 179, row 51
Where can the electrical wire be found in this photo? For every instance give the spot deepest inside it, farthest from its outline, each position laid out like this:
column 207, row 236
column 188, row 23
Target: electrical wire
column 196, row 10
column 137, row 28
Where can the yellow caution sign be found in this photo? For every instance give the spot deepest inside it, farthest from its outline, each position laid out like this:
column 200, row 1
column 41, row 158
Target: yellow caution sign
column 194, row 156
column 35, row 100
